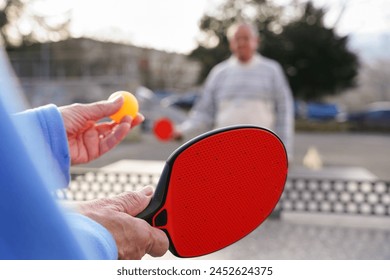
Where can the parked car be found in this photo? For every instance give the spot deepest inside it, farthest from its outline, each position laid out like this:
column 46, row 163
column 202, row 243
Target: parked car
column 151, row 108
column 375, row 116
column 317, row 111
column 183, row 101
column 322, row 111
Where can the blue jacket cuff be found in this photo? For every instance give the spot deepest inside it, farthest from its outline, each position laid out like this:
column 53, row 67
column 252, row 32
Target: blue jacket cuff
column 49, row 123
column 96, row 240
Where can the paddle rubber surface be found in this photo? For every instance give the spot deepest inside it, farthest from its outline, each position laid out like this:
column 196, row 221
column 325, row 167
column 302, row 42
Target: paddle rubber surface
column 218, row 188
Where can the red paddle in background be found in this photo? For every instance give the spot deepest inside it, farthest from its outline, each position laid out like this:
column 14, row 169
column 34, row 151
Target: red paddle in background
column 163, row 129
column 217, row 188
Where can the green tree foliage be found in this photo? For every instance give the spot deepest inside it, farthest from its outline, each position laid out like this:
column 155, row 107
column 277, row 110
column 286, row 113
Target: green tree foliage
column 21, row 23
column 317, row 62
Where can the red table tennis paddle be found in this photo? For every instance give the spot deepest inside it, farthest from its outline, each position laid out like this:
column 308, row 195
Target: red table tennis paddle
column 217, row 188
column 163, row 129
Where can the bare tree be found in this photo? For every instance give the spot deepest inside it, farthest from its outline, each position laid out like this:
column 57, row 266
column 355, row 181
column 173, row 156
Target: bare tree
column 22, row 23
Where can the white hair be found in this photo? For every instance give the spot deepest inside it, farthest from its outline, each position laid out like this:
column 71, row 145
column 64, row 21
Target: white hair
column 233, row 29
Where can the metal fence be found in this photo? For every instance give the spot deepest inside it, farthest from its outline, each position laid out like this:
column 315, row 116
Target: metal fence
column 371, row 198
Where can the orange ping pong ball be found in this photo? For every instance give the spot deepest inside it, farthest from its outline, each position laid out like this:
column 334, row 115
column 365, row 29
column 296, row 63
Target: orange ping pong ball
column 129, row 107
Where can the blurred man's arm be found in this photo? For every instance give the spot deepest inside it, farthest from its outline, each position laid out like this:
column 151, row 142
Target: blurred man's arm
column 284, row 126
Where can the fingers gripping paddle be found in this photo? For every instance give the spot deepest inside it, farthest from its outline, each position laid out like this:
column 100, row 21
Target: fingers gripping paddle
column 217, row 188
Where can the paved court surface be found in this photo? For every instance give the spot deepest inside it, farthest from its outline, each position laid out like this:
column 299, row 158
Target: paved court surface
column 311, row 238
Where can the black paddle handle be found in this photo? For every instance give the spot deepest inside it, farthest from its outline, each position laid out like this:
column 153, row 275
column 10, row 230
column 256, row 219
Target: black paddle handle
column 158, row 199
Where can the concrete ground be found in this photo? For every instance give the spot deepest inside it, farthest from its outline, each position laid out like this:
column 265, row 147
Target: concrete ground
column 310, row 237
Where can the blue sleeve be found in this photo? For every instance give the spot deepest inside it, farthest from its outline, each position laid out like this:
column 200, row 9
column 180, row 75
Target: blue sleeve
column 96, row 239
column 33, row 226
column 51, row 143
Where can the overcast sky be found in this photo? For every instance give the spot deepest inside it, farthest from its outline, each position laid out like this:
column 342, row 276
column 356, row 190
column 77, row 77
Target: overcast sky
column 172, row 25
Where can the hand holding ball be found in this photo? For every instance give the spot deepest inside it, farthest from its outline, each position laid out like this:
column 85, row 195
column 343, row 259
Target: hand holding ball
column 130, row 106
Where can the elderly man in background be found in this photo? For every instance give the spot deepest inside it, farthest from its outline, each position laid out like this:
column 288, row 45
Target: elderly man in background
column 247, row 88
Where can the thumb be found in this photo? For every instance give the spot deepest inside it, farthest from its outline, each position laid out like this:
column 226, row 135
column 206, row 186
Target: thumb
column 136, row 202
column 103, row 109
